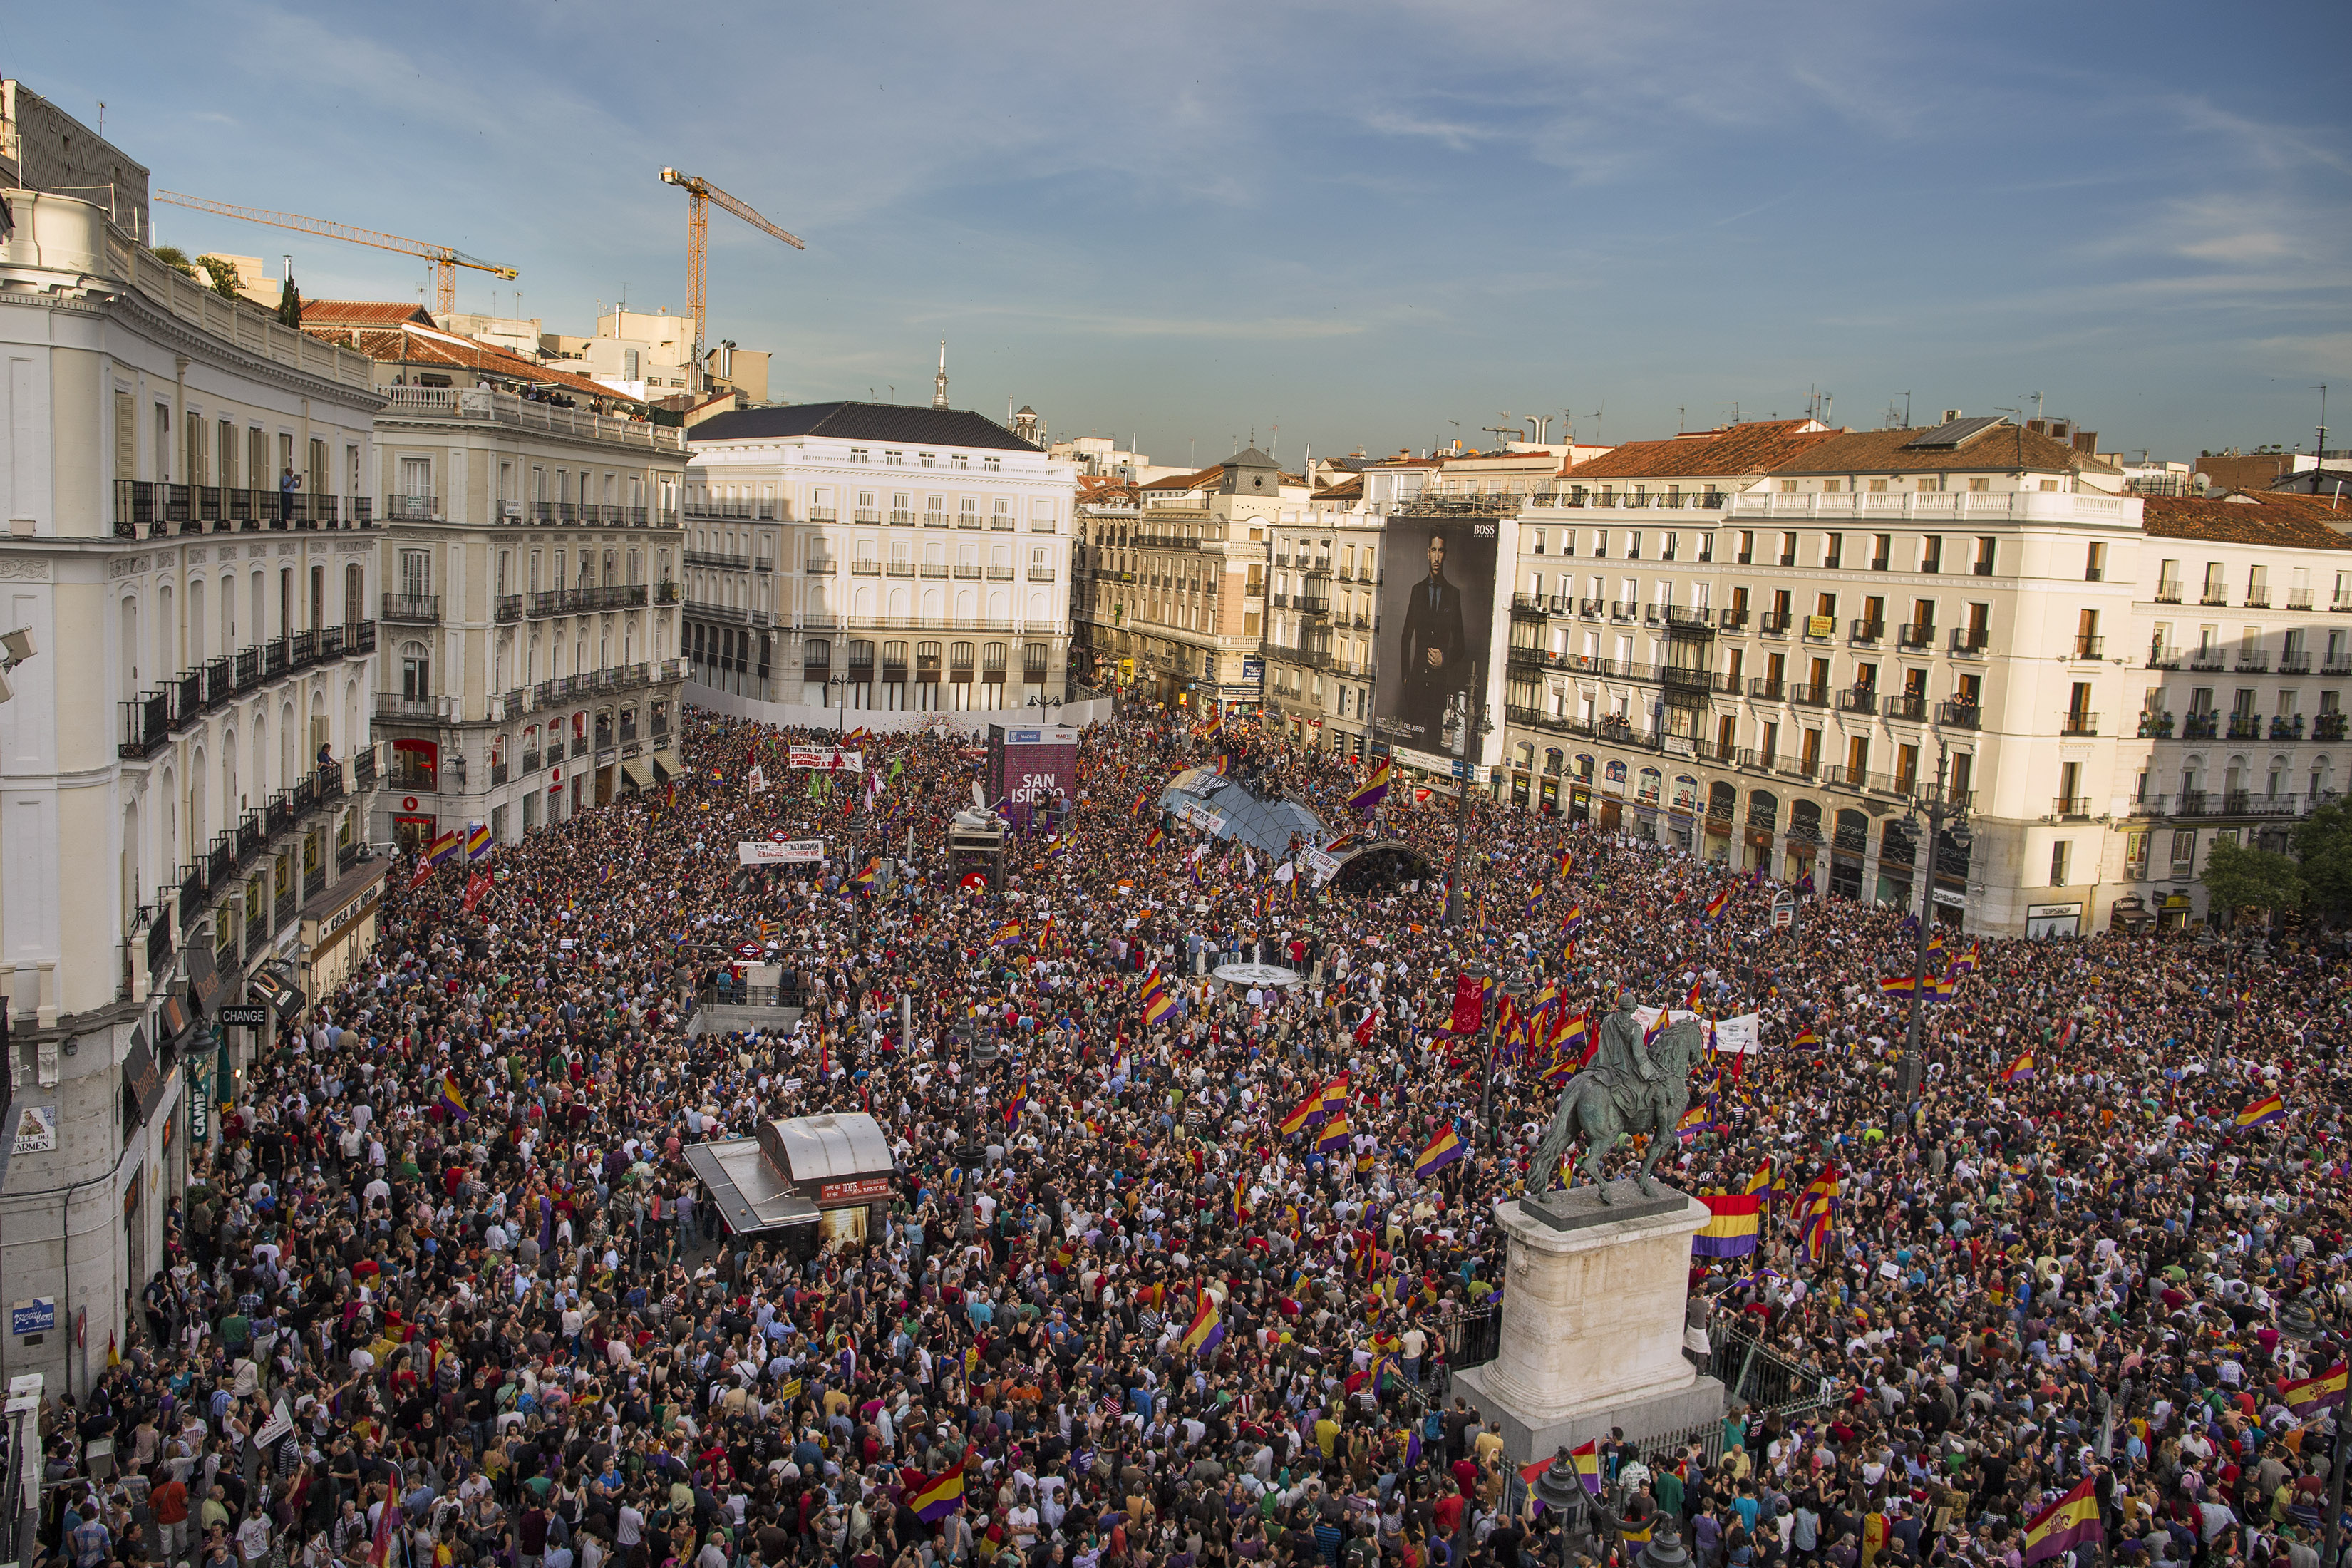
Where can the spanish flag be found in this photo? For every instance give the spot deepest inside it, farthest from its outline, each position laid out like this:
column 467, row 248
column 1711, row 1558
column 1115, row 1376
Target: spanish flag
column 1157, row 1003
column 1440, row 1152
column 1806, row 1040
column 1573, row 919
column 2262, row 1112
column 2314, row 1394
column 1733, row 1222
column 1761, row 1182
column 1152, row 840
column 1207, row 1328
column 2072, row 1520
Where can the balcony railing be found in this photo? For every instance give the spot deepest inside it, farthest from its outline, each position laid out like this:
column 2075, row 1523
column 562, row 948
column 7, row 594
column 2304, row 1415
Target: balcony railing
column 1906, row 707
column 2090, row 647
column 2076, row 722
column 411, row 609
column 1810, row 694
column 1971, row 639
column 2072, row 806
column 1959, row 715
column 1866, row 631
column 412, row 509
column 2167, row 592
column 723, row 562
column 1858, row 699
column 507, row 607
column 1775, row 623
column 144, row 510
column 438, row 404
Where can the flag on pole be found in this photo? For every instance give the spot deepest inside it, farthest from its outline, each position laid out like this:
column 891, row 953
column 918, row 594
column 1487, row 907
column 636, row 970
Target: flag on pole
column 1208, row 1328
column 2262, row 1112
column 2072, row 1521
column 1733, row 1225
column 1439, row 1151
column 1375, row 789
column 933, row 1497
column 1714, row 905
column 2311, row 1396
column 478, row 841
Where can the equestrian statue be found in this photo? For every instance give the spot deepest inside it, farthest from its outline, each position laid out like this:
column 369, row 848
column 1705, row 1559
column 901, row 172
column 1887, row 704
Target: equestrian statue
column 1632, row 1086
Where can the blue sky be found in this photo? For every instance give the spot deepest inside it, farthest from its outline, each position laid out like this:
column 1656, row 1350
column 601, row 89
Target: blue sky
column 1360, row 223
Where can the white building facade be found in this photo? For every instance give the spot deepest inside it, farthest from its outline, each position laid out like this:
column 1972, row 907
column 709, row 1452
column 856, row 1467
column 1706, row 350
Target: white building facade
column 184, row 761
column 876, row 558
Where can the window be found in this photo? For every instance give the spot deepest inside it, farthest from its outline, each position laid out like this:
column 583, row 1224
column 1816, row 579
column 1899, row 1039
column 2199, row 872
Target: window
column 1985, row 555
column 1538, row 549
column 1979, row 483
column 416, row 673
column 1933, row 483
column 415, row 573
column 1788, row 487
column 860, row 454
column 1931, row 553
column 929, row 459
column 992, row 465
column 2058, row 855
column 895, row 459
column 955, row 459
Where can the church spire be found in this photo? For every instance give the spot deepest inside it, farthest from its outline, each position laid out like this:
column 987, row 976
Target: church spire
column 939, row 382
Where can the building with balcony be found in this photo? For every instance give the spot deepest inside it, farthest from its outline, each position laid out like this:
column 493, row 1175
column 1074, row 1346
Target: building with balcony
column 184, row 763
column 1771, row 644
column 528, row 666
column 876, row 558
column 1320, row 618
column 1176, row 600
column 2240, row 655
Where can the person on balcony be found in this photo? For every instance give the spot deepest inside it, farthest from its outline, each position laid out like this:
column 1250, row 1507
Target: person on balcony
column 289, row 481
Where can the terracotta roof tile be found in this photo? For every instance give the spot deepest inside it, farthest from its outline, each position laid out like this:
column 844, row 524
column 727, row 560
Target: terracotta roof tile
column 363, row 313
column 405, row 343
column 2004, row 447
column 1192, row 481
column 2248, row 517
column 1754, row 447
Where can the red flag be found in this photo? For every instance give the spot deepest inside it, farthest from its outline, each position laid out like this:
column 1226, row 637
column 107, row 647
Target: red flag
column 1364, row 1029
column 477, row 887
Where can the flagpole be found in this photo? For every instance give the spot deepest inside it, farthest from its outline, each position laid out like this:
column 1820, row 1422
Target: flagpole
column 1473, row 724
column 1910, row 1074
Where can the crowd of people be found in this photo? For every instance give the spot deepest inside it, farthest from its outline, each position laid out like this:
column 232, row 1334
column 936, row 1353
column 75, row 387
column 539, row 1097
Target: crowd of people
column 444, row 1291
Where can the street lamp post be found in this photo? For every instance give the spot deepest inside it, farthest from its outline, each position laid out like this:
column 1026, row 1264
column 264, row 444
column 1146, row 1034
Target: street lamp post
column 972, row 1154
column 1515, row 988
column 1911, row 1073
column 1469, row 707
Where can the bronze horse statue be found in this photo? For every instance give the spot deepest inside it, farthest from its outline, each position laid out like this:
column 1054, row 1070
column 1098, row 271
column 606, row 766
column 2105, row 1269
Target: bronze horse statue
column 1600, row 1105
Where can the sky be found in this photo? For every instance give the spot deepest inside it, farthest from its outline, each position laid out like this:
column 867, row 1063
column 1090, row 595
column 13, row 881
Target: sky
column 1327, row 227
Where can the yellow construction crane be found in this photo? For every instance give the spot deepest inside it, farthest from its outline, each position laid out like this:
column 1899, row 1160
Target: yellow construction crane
column 699, row 194
column 445, row 260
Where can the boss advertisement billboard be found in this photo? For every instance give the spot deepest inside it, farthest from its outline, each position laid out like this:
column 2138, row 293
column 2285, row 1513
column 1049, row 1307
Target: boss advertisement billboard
column 1437, row 629
column 1027, row 767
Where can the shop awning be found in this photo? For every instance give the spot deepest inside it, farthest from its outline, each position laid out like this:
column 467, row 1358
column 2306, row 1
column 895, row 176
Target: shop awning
column 666, row 765
column 639, row 771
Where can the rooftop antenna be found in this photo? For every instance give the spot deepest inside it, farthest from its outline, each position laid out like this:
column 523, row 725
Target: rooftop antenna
column 1596, row 416
column 2037, row 404
column 1503, row 432
column 1829, row 400
column 2322, row 447
column 1274, row 446
column 1906, row 411
column 1681, row 418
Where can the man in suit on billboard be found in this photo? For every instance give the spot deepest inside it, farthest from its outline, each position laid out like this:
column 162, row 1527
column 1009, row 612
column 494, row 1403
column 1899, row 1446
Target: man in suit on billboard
column 1437, row 648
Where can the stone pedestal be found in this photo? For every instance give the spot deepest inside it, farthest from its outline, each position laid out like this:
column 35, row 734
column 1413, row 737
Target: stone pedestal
column 1593, row 1302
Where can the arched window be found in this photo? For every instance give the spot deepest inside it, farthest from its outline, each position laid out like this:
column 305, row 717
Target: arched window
column 415, row 672
column 1686, row 792
column 1763, row 808
column 1647, row 786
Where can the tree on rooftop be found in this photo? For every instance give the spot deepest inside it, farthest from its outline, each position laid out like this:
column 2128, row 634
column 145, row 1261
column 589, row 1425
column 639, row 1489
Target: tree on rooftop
column 290, row 304
column 224, row 275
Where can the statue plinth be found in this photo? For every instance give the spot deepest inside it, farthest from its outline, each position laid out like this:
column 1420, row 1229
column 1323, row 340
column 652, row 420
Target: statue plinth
column 1593, row 1303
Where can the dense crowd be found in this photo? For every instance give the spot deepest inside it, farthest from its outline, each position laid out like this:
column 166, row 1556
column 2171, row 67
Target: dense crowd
column 450, row 1231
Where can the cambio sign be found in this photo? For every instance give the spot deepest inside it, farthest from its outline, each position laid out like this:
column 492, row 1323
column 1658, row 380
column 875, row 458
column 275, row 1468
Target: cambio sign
column 1030, row 766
